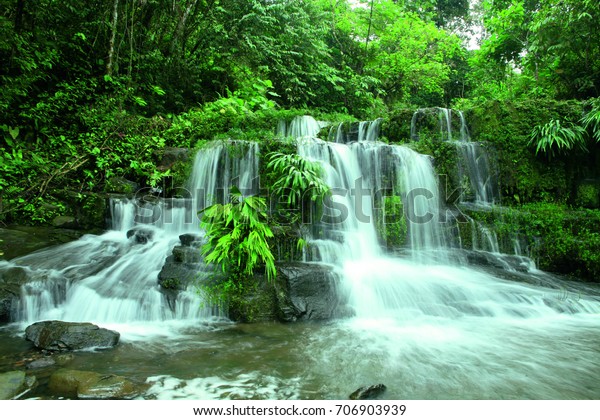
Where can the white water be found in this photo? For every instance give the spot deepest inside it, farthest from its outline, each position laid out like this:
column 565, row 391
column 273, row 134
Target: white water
column 447, row 330
column 111, row 279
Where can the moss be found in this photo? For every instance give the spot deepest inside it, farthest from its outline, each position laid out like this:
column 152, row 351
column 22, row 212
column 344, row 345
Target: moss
column 390, row 222
column 525, row 177
column 559, row 239
column 253, row 302
column 588, row 196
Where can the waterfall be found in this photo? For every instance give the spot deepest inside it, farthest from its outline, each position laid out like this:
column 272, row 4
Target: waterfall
column 390, row 293
column 359, row 173
column 300, row 127
column 113, row 278
column 474, row 161
column 356, row 131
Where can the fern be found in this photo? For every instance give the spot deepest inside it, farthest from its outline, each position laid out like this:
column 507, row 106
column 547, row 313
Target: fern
column 238, row 236
column 553, row 137
column 591, row 120
column 297, row 177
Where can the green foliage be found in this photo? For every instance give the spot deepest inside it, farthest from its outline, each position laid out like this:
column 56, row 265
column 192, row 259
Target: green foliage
column 588, row 195
column 297, row 178
column 591, row 120
column 539, row 48
column 390, row 222
column 553, row 137
column 238, row 236
column 524, row 177
column 559, row 239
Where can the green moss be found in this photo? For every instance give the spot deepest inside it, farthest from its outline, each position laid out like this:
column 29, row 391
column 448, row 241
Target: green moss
column 588, row 196
column 390, row 222
column 559, row 239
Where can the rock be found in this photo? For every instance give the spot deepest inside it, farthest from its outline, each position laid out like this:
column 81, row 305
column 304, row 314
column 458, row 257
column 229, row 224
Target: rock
column 42, row 363
column 15, row 383
column 186, row 254
column 65, row 336
column 90, row 385
column 307, row 292
column 368, row 392
column 190, row 239
column 11, row 280
column 68, row 222
column 140, row 235
column 177, row 275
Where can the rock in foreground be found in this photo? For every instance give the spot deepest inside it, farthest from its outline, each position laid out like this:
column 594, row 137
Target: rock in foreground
column 90, row 385
column 66, row 336
column 368, row 392
column 13, row 384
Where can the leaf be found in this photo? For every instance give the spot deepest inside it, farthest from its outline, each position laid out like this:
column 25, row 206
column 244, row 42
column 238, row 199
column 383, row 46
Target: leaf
column 14, row 132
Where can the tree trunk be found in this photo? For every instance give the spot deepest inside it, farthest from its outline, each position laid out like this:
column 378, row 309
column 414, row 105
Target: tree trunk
column 182, row 23
column 19, row 12
column 113, row 36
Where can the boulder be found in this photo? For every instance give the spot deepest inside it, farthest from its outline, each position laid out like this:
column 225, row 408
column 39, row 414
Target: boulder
column 65, row 336
column 43, row 363
column 307, row 291
column 368, row 392
column 191, row 239
column 15, row 383
column 90, row 385
column 177, row 275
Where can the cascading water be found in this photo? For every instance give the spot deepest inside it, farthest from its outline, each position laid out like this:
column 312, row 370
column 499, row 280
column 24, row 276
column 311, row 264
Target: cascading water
column 425, row 326
column 351, row 132
column 112, row 278
column 420, row 316
column 474, row 166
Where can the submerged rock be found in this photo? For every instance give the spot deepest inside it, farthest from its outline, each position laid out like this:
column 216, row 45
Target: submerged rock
column 14, row 384
column 44, row 362
column 91, row 385
column 65, row 336
column 368, row 392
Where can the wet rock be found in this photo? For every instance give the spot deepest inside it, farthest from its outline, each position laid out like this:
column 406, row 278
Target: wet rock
column 15, row 383
column 65, row 336
column 177, row 275
column 44, row 362
column 307, row 292
column 186, row 254
column 190, row 239
column 368, row 392
column 91, row 385
column 140, row 235
column 64, row 222
column 11, row 280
